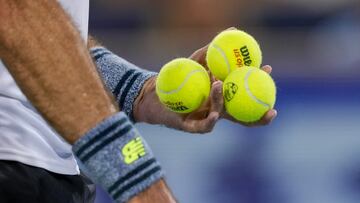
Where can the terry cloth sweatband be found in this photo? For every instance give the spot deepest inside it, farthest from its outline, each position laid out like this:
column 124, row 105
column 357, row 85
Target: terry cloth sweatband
column 125, row 80
column 118, row 158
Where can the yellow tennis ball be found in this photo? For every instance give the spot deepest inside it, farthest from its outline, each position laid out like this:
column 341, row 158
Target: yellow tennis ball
column 232, row 49
column 183, row 85
column 249, row 93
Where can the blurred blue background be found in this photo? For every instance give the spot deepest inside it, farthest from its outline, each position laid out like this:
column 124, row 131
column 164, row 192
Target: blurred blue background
column 311, row 152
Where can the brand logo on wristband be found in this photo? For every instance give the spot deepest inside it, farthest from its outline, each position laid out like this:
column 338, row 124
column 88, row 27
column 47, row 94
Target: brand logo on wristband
column 133, row 150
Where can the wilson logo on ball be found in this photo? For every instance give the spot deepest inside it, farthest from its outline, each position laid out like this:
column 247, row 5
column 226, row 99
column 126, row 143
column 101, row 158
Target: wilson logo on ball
column 176, row 106
column 242, row 56
column 230, row 91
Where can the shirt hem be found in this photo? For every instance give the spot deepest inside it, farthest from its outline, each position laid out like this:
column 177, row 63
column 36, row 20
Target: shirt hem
column 36, row 162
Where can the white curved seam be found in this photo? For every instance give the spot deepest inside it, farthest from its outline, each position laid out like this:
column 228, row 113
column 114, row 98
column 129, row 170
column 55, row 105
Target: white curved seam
column 224, row 56
column 247, row 88
column 182, row 84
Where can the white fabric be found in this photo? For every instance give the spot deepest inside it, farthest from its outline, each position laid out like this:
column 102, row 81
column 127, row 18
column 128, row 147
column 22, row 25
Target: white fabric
column 24, row 135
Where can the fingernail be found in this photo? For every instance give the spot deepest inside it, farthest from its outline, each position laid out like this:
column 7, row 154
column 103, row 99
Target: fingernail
column 217, row 82
column 267, row 66
column 274, row 114
column 216, row 117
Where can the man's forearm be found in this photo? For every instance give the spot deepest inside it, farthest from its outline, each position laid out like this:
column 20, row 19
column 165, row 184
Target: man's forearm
column 158, row 193
column 49, row 61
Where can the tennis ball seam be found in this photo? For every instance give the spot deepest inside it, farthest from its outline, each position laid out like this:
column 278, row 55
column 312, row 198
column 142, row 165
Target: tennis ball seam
column 247, row 88
column 217, row 48
column 191, row 73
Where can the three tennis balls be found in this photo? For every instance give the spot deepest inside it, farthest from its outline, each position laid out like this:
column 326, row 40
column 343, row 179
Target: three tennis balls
column 233, row 57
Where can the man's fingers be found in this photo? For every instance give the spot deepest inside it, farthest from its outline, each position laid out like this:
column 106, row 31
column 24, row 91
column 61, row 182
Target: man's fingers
column 267, row 68
column 217, row 103
column 268, row 117
column 202, row 126
column 208, row 124
column 265, row 120
column 216, row 97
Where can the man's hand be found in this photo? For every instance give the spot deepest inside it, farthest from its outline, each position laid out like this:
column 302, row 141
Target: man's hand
column 147, row 107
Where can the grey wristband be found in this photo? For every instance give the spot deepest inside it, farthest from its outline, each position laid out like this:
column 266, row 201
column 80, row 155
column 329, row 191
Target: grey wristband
column 124, row 79
column 118, row 158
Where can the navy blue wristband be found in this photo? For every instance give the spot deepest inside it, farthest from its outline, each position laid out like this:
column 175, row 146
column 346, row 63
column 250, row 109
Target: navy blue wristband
column 125, row 80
